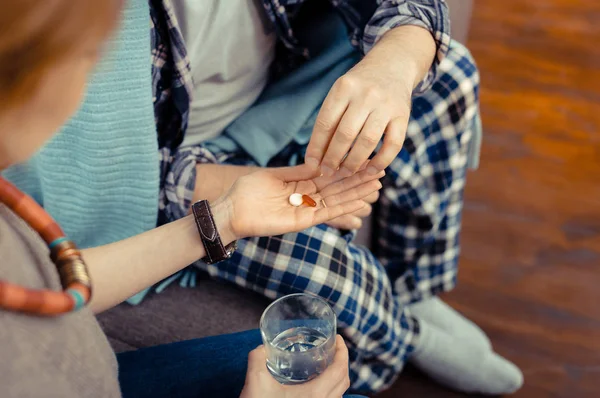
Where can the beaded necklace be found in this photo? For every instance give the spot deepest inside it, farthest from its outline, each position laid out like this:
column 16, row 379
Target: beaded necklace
column 71, row 268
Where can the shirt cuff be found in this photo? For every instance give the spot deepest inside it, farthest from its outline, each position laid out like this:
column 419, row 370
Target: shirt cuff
column 178, row 180
column 432, row 15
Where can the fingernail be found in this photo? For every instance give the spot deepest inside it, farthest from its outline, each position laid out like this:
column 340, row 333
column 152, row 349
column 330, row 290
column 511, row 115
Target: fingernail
column 372, row 171
column 312, row 162
column 344, row 172
column 327, row 172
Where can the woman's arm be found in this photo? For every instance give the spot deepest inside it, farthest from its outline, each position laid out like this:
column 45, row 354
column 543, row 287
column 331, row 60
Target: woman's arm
column 256, row 205
column 122, row 269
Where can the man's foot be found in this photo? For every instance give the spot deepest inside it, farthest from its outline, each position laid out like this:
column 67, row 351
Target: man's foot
column 437, row 313
column 456, row 363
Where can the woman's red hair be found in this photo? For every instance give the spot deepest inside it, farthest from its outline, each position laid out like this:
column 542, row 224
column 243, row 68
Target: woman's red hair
column 37, row 34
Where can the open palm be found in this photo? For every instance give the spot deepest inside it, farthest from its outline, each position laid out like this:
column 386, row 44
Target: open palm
column 260, row 207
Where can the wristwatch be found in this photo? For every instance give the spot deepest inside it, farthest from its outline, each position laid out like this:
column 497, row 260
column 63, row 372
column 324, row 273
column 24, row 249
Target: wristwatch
column 215, row 251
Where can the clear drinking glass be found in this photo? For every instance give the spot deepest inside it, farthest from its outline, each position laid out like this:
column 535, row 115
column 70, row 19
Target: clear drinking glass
column 298, row 332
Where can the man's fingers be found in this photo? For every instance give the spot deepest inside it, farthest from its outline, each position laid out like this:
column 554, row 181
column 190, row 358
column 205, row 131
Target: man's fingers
column 327, row 122
column 367, row 141
column 392, row 144
column 351, row 124
column 322, row 181
column 295, row 173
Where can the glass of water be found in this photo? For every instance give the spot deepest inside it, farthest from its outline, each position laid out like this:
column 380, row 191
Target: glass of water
column 298, row 332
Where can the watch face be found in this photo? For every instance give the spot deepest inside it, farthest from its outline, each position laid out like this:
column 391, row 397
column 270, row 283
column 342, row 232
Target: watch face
column 231, row 248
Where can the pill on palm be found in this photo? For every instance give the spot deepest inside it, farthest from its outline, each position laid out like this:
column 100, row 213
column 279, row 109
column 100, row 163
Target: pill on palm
column 307, row 200
column 296, row 199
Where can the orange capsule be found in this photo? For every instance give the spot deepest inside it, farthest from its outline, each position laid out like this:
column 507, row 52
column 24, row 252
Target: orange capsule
column 307, row 200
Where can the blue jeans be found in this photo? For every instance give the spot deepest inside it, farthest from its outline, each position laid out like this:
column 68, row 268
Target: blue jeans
column 208, row 367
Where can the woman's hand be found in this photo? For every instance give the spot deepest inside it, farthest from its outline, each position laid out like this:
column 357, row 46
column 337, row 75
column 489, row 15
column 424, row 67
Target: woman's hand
column 372, row 98
column 332, row 383
column 352, row 220
column 257, row 204
column 214, row 180
column 355, row 220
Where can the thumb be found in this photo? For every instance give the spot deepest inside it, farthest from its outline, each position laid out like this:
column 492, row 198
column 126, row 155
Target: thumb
column 257, row 359
column 295, row 173
column 336, row 374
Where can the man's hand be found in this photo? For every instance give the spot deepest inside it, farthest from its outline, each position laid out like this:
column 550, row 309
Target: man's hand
column 332, row 383
column 373, row 98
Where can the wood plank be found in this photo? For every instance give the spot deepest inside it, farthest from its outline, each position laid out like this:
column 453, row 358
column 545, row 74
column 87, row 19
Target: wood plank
column 530, row 265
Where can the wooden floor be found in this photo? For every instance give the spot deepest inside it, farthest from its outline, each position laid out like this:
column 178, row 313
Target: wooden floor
column 530, row 267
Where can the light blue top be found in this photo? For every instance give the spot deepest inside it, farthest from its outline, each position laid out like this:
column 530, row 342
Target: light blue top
column 99, row 177
column 287, row 109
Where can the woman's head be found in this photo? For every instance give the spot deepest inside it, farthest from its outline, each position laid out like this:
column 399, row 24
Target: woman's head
column 47, row 49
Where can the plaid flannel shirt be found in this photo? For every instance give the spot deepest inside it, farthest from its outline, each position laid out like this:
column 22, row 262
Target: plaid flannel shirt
column 420, row 205
column 368, row 21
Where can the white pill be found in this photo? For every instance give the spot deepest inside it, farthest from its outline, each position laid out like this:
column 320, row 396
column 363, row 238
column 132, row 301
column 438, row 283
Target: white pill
column 296, row 199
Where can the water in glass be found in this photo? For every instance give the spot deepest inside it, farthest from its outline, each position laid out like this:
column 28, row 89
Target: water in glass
column 299, row 335
column 303, row 354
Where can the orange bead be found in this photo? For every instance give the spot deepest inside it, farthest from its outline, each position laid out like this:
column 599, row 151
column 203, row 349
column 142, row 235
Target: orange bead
column 307, row 200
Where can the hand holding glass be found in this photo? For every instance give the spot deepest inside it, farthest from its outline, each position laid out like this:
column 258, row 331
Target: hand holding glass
column 298, row 332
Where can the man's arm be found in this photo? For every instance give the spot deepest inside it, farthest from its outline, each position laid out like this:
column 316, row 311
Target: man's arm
column 431, row 15
column 404, row 41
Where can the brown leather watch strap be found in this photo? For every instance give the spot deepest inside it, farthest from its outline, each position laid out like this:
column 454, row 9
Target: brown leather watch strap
column 215, row 251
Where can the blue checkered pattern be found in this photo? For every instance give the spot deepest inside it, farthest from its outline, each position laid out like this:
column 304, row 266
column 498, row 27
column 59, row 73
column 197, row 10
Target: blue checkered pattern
column 418, row 220
column 418, row 214
column 420, row 210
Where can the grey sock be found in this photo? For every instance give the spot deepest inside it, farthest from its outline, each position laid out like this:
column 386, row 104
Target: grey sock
column 440, row 314
column 455, row 363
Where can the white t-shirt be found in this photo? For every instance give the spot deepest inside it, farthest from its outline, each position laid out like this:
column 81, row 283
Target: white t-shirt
column 230, row 50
